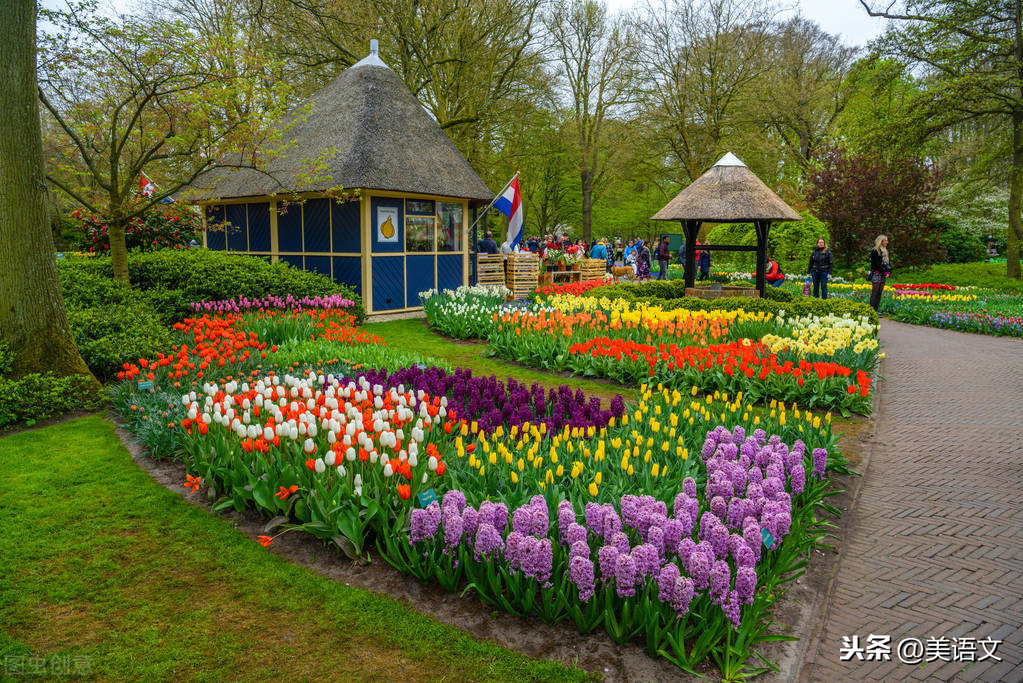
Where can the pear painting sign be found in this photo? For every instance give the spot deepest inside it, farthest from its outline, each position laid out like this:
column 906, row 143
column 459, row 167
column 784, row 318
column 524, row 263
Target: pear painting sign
column 387, row 224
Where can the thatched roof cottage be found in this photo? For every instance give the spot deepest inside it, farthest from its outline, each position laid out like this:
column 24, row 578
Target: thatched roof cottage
column 406, row 232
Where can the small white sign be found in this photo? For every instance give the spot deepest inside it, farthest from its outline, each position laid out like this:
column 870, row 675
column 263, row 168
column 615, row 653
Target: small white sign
column 387, row 224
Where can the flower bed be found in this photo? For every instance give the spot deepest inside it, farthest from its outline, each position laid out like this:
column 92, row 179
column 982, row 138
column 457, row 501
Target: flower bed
column 463, row 313
column 573, row 288
column 673, row 520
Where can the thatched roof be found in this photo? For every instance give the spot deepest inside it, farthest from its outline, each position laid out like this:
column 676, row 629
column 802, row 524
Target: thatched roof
column 369, row 131
column 727, row 193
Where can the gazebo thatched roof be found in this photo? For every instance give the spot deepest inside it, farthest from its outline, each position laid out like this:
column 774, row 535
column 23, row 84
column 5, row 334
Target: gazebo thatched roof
column 369, row 131
column 727, row 193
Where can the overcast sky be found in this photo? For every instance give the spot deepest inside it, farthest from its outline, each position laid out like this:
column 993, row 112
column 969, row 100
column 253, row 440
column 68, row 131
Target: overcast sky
column 843, row 17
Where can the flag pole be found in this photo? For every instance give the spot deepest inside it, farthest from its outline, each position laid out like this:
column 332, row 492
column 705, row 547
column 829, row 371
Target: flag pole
column 491, row 204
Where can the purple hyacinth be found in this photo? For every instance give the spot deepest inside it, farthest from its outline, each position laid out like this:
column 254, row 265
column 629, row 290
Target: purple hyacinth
column 576, row 533
column 719, row 507
column 580, row 572
column 594, row 518
column 685, row 549
column 611, row 523
column 746, row 584
column 621, row 542
column 755, row 475
column 522, row 520
column 751, row 532
column 738, row 434
column 495, row 514
column 772, row 486
column 646, row 560
column 720, row 580
column 820, row 462
column 732, row 608
column 760, row 436
column 682, row 595
column 666, row 579
column 424, row 523
column 655, row 537
column 798, row 478
column 743, row 555
column 470, row 522
column 488, row 544
column 454, row 499
column 607, row 557
column 541, row 560
column 453, row 528
column 625, row 576
column 566, row 518
column 673, row 533
column 541, row 516
column 511, row 549
column 709, row 446
column 689, row 487
column 579, row 548
column 719, row 536
column 698, row 567
column 736, row 512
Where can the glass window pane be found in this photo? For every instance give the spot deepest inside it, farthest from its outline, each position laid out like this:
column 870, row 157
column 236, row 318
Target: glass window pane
column 419, row 233
column 449, row 229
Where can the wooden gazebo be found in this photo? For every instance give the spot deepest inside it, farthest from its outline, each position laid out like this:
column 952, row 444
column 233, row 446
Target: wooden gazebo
column 727, row 193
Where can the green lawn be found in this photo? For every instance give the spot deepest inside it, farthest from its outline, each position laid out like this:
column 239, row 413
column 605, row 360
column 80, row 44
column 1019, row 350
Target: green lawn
column 413, row 335
column 105, row 570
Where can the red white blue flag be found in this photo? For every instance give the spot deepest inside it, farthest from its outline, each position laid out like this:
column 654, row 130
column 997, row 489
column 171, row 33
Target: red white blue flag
column 146, row 187
column 510, row 204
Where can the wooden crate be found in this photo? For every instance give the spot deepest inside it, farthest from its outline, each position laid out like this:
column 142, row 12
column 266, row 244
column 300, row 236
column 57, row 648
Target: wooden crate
column 490, row 269
column 523, row 275
column 592, row 269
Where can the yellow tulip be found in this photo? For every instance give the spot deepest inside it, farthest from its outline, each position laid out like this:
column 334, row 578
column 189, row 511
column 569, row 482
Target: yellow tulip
column 593, row 489
column 654, row 470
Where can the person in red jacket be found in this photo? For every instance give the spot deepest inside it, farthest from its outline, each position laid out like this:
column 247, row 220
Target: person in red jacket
column 774, row 276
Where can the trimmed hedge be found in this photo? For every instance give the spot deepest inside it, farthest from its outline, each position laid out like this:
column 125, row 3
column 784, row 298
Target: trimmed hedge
column 34, row 397
column 661, row 294
column 172, row 279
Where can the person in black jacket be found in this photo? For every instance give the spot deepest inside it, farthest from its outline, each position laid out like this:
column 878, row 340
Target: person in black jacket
column 488, row 245
column 820, row 268
column 880, row 269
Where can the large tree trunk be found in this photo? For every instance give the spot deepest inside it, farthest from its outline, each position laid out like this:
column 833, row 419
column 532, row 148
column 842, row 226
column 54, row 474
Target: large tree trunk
column 1014, row 235
column 587, row 185
column 32, row 316
column 118, row 249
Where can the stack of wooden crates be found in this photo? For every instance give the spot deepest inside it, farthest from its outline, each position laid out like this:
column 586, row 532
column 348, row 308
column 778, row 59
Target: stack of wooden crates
column 592, row 269
column 523, row 275
column 490, row 269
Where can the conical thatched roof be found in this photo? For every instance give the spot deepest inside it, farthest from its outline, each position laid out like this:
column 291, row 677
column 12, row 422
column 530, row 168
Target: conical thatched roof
column 727, row 193
column 370, row 132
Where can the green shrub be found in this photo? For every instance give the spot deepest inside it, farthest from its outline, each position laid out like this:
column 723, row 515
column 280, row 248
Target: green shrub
column 110, row 335
column 35, row 397
column 778, row 294
column 962, row 247
column 169, row 280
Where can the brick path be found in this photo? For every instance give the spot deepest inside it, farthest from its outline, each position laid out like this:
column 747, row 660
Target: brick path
column 936, row 543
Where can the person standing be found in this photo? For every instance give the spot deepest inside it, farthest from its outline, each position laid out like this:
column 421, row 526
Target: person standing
column 488, row 245
column 663, row 256
column 599, row 251
column 630, row 256
column 880, row 269
column 821, row 263
column 703, row 259
column 643, row 261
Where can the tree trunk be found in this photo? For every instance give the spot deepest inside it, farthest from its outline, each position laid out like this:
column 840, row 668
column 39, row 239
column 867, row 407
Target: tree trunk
column 1014, row 235
column 586, row 176
column 32, row 316
column 118, row 246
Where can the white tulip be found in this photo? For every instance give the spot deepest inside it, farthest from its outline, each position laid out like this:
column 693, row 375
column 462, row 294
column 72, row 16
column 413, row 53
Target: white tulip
column 268, row 433
column 320, row 466
column 350, row 454
column 329, row 458
column 341, row 470
column 388, row 471
column 432, row 464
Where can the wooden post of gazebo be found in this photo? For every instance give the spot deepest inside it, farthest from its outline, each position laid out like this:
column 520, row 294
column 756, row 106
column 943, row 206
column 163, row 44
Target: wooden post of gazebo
column 727, row 193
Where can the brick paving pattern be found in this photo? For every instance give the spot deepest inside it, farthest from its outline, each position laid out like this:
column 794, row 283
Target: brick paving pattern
column 936, row 543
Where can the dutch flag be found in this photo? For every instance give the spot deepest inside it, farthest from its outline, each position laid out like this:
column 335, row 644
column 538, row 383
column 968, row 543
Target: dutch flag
column 510, row 204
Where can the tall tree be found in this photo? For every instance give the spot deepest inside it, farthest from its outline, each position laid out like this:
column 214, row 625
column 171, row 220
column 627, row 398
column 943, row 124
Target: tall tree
column 32, row 316
column 804, row 90
column 150, row 96
column 705, row 56
column 598, row 58
column 973, row 52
